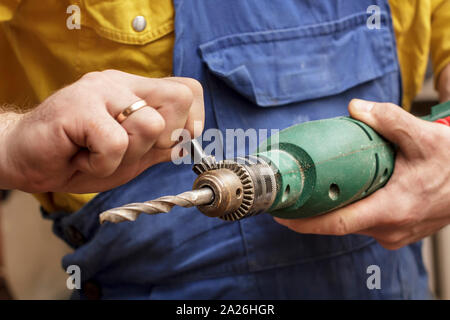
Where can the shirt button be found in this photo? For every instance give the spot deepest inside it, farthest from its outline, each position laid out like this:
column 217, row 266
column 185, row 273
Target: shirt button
column 139, row 23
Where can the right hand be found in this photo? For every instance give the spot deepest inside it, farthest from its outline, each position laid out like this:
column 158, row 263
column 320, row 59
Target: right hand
column 72, row 142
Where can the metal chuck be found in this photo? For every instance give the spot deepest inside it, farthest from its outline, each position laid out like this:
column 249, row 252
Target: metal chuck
column 228, row 189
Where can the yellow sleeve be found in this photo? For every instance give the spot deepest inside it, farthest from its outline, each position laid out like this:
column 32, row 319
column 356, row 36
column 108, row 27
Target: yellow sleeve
column 7, row 9
column 68, row 202
column 440, row 35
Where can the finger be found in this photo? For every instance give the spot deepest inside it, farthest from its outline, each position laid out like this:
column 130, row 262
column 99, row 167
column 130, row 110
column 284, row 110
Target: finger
column 144, row 127
column 172, row 99
column 174, row 110
column 392, row 122
column 400, row 238
column 394, row 237
column 353, row 218
column 84, row 182
column 155, row 156
column 106, row 142
column 196, row 117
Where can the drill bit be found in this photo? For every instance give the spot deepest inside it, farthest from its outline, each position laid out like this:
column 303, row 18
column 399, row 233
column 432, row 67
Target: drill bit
column 131, row 211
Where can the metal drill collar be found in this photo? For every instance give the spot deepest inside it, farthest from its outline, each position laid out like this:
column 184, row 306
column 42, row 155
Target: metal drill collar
column 247, row 194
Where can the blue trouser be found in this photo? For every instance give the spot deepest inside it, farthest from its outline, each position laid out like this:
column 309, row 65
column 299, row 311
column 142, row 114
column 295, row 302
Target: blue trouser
column 264, row 64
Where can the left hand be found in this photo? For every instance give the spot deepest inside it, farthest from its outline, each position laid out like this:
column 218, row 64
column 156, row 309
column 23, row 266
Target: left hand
column 415, row 202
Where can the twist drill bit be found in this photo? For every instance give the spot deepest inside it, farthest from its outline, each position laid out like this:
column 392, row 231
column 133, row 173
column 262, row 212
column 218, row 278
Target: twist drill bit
column 131, row 211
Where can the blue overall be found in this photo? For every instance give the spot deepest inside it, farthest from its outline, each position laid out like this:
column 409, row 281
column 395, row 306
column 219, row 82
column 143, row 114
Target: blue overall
column 264, row 64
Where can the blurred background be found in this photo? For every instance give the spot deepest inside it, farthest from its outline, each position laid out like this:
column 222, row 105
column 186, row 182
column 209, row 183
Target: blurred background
column 30, row 254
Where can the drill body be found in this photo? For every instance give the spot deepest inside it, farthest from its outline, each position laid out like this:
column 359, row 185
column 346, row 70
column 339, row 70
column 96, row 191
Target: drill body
column 325, row 164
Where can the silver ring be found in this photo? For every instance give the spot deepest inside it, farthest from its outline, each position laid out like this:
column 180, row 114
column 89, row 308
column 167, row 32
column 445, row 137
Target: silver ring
column 131, row 109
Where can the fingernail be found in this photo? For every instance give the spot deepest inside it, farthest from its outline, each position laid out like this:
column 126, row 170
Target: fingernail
column 362, row 105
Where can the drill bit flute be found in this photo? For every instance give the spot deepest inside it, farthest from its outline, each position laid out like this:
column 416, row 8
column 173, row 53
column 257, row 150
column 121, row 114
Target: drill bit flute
column 131, row 211
column 187, row 199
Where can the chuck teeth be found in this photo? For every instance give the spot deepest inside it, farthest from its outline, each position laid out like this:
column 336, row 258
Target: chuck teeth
column 208, row 163
column 248, row 190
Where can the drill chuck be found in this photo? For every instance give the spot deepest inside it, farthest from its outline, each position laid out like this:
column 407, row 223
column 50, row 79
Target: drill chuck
column 242, row 187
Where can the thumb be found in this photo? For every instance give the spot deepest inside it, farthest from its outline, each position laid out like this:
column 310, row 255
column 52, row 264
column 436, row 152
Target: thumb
column 391, row 121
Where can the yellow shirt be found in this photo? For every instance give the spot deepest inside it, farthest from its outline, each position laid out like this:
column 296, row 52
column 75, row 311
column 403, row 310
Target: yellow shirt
column 39, row 54
column 420, row 26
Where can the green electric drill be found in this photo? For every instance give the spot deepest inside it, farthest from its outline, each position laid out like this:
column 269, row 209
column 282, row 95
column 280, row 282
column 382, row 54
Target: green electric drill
column 303, row 171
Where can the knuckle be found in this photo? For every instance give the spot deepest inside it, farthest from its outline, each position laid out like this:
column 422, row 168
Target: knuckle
column 151, row 127
column 117, row 144
column 195, row 86
column 184, row 96
column 157, row 126
column 393, row 238
column 385, row 112
column 92, row 76
column 429, row 137
column 94, row 82
column 110, row 72
column 424, row 136
column 389, row 246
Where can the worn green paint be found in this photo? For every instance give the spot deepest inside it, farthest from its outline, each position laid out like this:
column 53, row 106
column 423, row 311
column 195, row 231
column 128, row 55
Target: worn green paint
column 326, row 164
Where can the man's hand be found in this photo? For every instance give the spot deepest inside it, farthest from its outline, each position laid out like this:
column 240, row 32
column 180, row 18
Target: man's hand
column 415, row 202
column 72, row 142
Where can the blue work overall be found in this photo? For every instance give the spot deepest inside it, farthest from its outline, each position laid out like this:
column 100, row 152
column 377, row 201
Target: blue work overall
column 264, row 64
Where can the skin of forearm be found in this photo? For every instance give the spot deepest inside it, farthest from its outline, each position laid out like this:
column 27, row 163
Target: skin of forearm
column 444, row 84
